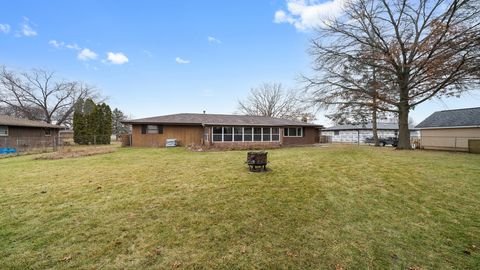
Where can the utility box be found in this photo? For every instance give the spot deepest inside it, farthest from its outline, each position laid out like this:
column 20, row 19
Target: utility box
column 474, row 146
column 171, row 143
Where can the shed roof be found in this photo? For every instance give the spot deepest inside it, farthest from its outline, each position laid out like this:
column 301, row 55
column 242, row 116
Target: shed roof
column 467, row 117
column 218, row 119
column 6, row 120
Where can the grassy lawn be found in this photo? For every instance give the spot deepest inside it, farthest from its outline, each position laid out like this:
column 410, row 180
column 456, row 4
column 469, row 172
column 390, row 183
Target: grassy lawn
column 331, row 207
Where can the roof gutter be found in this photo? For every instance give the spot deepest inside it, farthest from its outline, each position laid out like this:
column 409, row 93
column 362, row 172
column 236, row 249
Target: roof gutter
column 478, row 126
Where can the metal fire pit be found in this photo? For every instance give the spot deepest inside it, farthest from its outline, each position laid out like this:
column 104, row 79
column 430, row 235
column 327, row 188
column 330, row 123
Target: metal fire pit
column 257, row 161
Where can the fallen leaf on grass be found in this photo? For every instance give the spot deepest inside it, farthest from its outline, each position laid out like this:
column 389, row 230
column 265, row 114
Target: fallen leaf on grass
column 176, row 264
column 66, row 258
column 290, row 254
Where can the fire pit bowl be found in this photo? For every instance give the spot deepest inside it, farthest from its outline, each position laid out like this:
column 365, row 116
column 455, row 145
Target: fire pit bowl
column 257, row 161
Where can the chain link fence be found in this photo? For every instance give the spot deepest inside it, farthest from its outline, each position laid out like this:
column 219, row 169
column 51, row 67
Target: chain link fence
column 15, row 145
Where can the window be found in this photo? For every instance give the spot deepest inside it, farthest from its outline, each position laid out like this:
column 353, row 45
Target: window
column 257, row 134
column 247, row 134
column 154, row 129
column 293, row 132
column 3, row 131
column 217, row 134
column 48, row 132
column 227, row 134
column 238, row 134
column 266, row 134
column 275, row 134
column 336, row 132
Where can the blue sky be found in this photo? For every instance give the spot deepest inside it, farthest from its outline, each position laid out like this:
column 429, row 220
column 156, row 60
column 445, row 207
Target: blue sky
column 160, row 57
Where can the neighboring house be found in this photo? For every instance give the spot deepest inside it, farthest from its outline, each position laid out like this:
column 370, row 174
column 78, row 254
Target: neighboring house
column 450, row 129
column 221, row 130
column 353, row 133
column 23, row 134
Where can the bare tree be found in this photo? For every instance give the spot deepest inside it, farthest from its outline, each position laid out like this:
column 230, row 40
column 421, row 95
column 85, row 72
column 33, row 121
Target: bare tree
column 37, row 95
column 422, row 49
column 269, row 99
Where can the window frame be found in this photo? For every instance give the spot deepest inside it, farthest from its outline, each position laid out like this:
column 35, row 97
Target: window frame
column 157, row 130
column 48, row 132
column 261, row 135
column 286, row 132
column 6, row 133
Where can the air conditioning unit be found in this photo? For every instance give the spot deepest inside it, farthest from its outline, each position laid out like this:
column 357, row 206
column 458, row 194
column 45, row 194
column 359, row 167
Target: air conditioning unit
column 171, row 143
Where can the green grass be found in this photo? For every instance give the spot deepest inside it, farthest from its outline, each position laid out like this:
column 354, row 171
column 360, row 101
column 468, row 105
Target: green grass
column 348, row 207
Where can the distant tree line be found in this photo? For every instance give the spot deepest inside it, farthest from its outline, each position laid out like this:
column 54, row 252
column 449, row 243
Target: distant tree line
column 92, row 123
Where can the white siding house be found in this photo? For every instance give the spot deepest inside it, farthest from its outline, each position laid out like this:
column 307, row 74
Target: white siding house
column 356, row 133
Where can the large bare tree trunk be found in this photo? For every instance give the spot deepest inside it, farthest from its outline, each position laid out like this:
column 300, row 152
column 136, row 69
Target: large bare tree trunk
column 403, row 129
column 374, row 127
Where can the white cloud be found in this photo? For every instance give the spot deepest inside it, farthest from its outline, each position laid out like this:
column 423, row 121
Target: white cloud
column 308, row 14
column 26, row 28
column 214, row 40
column 86, row 54
column 117, row 58
column 56, row 44
column 4, row 28
column 73, row 46
column 181, row 61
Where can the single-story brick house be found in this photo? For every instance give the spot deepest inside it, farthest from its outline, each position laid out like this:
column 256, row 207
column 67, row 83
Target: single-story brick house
column 221, row 130
column 450, row 129
column 22, row 133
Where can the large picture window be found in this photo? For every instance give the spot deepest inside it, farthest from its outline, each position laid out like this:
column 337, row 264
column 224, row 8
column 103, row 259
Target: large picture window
column 293, row 132
column 3, row 131
column 245, row 134
column 275, row 134
column 217, row 134
column 257, row 134
column 238, row 134
column 267, row 136
column 227, row 134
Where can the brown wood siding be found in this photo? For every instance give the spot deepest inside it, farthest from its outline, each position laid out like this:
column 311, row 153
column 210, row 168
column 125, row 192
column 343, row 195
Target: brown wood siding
column 33, row 137
column 185, row 135
column 310, row 135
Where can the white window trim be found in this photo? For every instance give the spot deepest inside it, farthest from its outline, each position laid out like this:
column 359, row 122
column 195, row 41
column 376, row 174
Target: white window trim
column 297, row 136
column 243, row 134
column 4, row 135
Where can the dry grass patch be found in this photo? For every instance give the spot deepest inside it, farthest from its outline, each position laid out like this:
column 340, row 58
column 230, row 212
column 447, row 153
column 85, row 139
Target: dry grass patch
column 75, row 152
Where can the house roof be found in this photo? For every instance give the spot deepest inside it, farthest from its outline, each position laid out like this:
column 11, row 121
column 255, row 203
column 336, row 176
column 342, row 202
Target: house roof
column 366, row 126
column 218, row 119
column 468, row 117
column 6, row 120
